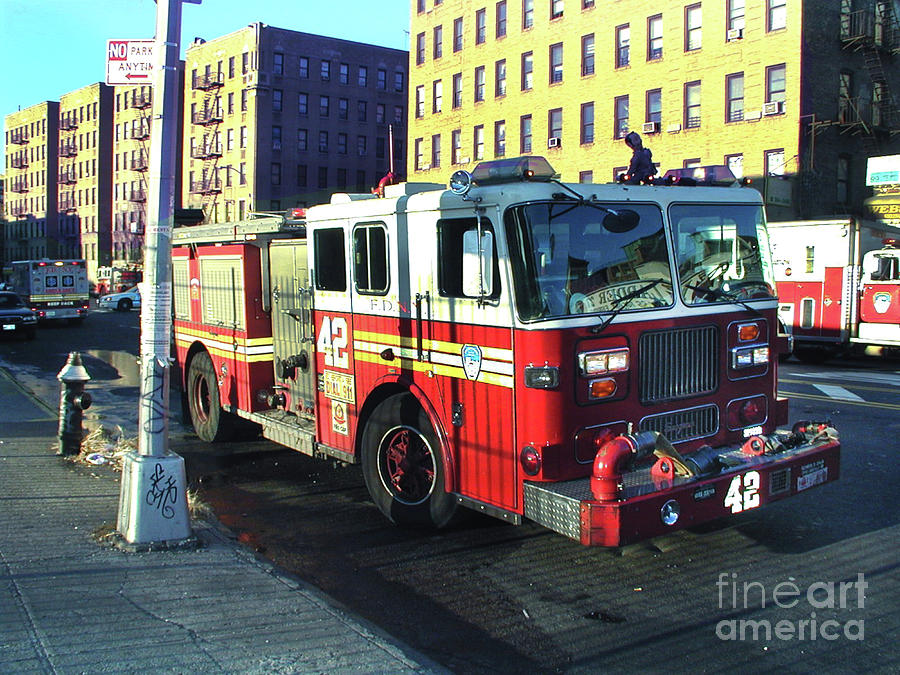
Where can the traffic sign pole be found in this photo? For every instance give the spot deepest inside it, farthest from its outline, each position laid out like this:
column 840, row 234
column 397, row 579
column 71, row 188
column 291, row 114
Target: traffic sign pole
column 153, row 499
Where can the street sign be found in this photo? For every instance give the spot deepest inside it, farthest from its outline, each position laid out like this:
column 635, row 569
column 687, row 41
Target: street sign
column 129, row 62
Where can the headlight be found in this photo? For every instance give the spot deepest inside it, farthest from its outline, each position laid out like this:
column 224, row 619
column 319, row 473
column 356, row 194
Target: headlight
column 747, row 357
column 599, row 363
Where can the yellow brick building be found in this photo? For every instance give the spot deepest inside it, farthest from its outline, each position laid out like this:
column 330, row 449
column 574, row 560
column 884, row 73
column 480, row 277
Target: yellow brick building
column 759, row 86
column 85, row 174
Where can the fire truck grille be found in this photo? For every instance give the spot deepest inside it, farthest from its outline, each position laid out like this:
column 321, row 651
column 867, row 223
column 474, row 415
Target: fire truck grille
column 684, row 425
column 678, row 363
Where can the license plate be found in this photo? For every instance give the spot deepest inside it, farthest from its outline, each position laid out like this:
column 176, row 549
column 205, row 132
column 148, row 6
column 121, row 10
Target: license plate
column 811, row 479
column 50, row 312
column 9, row 326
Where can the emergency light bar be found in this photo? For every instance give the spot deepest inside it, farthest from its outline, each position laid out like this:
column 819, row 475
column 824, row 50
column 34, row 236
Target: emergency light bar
column 512, row 170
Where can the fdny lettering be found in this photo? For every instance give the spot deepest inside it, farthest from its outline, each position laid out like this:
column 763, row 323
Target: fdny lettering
column 380, row 305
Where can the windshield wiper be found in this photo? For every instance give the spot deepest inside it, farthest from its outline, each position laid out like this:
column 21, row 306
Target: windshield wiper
column 722, row 294
column 621, row 303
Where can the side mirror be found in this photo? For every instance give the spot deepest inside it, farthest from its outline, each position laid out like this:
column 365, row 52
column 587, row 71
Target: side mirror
column 478, row 264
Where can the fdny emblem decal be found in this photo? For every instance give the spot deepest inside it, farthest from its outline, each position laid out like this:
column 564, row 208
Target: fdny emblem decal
column 471, row 359
column 882, row 302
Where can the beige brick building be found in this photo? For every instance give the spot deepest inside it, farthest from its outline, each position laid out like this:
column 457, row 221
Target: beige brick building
column 797, row 92
column 276, row 118
column 85, row 175
column 32, row 160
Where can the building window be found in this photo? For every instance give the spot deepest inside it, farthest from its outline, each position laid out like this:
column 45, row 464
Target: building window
column 623, row 42
column 303, row 104
column 587, row 54
column 323, row 183
column 455, row 146
column 380, row 115
column 480, row 26
column 693, row 27
column 244, row 94
column 276, row 173
column 304, row 67
column 736, row 164
column 556, row 63
column 343, row 108
column 556, row 8
column 323, row 141
column 500, row 78
column 398, row 81
column 324, row 106
column 585, row 176
column 276, row 138
column 654, row 38
column 527, row 71
column 437, row 96
column 230, row 67
column 399, row 117
column 457, row 90
column 500, row 138
column 420, row 49
column 278, row 63
column 691, row 163
column 843, row 180
column 361, row 146
column 342, row 178
column 381, row 79
column 435, row 151
column 457, row 34
column 243, row 137
column 325, row 71
column 437, row 42
column 342, row 144
column 501, row 19
column 527, row 14
column 587, row 123
column 554, row 125
column 692, row 105
column 620, row 116
column 380, row 147
column 479, row 84
column 734, row 93
column 776, row 14
column 478, row 142
column 775, row 83
column 774, row 162
column 418, row 158
column 277, row 97
column 362, row 76
column 420, row 101
column 245, row 63
column 362, row 111
column 654, row 107
column 525, row 134
column 735, row 17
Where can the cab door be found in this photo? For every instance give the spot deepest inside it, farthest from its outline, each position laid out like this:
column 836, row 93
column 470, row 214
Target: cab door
column 293, row 335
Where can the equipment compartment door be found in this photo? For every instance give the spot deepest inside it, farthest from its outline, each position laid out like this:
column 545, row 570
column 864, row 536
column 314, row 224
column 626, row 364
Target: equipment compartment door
column 293, row 335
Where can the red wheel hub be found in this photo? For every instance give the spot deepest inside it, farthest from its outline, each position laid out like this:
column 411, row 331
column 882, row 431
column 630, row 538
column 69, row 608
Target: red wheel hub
column 407, row 465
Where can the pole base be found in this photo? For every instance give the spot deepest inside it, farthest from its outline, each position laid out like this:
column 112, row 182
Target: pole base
column 153, row 500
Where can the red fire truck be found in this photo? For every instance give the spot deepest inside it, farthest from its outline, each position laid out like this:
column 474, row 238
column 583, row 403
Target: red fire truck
column 838, row 284
column 600, row 359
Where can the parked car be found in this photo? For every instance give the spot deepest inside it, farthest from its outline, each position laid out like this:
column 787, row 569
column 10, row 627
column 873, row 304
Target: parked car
column 15, row 316
column 123, row 302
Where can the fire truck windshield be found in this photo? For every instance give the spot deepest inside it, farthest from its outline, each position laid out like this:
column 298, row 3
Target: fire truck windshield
column 722, row 252
column 572, row 258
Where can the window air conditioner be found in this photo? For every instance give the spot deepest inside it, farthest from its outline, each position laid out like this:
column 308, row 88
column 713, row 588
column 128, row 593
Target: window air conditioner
column 735, row 34
column 773, row 108
column 651, row 127
column 553, row 142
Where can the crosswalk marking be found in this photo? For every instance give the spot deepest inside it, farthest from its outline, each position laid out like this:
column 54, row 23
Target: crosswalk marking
column 837, row 392
column 855, row 375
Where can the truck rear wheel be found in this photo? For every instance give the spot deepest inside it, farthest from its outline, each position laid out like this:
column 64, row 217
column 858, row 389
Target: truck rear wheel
column 401, row 462
column 211, row 423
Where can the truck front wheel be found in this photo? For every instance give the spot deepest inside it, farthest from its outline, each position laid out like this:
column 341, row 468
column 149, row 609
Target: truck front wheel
column 401, row 462
column 211, row 423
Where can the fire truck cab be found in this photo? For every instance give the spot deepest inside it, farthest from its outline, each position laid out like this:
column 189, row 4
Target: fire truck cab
column 600, row 359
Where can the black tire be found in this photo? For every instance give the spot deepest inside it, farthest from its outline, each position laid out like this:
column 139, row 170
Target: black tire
column 401, row 463
column 211, row 423
column 813, row 355
column 124, row 305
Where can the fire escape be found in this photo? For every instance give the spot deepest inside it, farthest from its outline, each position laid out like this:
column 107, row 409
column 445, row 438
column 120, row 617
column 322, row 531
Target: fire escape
column 208, row 147
column 876, row 34
column 68, row 149
column 140, row 163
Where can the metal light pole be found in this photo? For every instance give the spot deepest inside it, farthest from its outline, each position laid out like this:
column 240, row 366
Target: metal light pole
column 153, row 499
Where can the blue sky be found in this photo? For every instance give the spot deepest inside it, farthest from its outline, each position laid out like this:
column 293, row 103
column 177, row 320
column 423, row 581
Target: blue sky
column 49, row 47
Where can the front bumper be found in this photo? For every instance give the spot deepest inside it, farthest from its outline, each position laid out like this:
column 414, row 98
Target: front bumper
column 747, row 483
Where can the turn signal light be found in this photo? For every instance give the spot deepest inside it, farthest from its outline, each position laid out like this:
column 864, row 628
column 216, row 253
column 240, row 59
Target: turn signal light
column 530, row 460
column 748, row 332
column 603, row 388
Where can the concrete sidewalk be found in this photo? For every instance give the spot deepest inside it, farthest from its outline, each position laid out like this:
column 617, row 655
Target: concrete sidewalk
column 68, row 605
